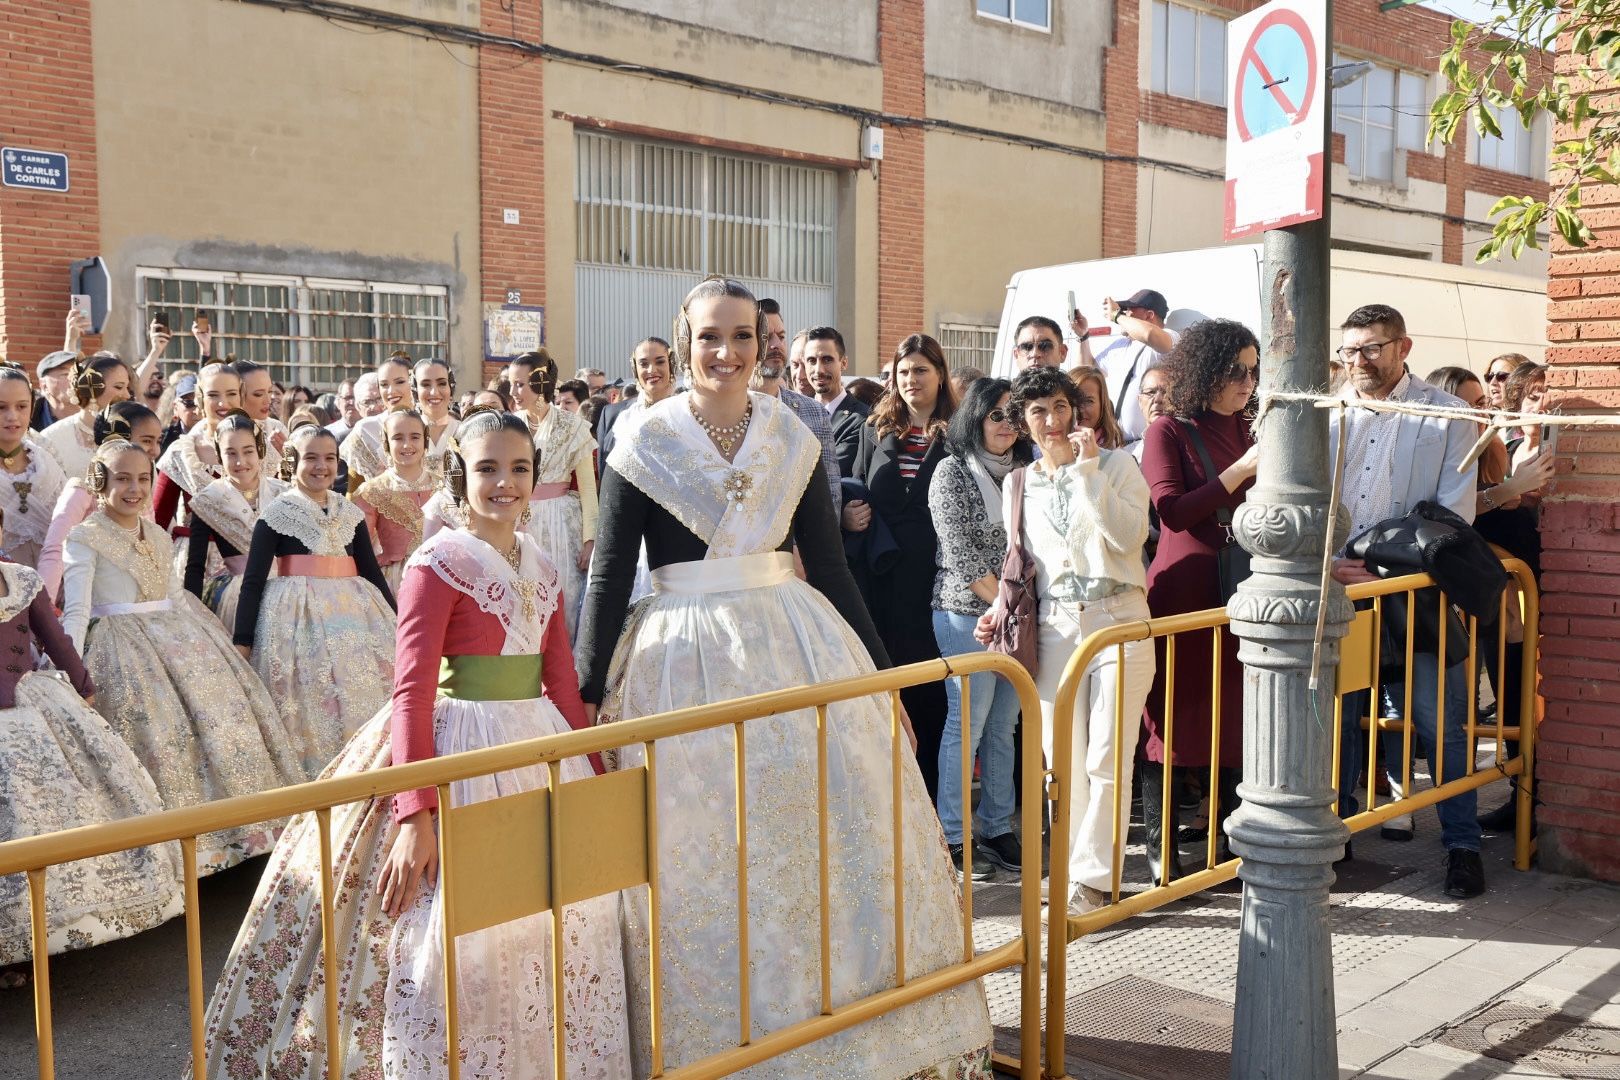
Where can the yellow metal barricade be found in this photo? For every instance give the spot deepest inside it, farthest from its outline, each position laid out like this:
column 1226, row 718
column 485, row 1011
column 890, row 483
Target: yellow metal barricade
column 1359, row 668
column 539, row 850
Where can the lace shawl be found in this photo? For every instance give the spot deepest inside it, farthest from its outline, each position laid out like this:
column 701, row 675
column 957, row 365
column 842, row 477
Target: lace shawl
column 323, row 532
column 224, row 510
column 183, row 463
column 562, row 436
column 144, row 553
column 523, row 602
column 736, row 508
column 390, row 495
column 22, row 585
column 37, row 487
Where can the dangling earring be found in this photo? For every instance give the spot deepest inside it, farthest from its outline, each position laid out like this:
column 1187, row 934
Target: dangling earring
column 523, row 518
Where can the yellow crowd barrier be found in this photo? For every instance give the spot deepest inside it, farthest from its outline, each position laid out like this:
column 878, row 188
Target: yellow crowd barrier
column 538, row 851
column 1359, row 669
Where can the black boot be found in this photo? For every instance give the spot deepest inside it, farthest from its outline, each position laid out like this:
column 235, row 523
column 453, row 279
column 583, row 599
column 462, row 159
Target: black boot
column 1153, row 816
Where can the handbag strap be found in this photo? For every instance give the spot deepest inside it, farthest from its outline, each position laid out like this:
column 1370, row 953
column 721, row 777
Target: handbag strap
column 1125, row 387
column 1223, row 515
column 1015, row 521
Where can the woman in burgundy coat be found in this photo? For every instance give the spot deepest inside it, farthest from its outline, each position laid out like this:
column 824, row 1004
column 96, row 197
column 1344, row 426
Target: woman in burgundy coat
column 1213, row 372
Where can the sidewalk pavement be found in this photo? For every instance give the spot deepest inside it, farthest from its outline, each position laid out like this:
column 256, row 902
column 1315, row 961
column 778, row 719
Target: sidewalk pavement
column 1522, row 982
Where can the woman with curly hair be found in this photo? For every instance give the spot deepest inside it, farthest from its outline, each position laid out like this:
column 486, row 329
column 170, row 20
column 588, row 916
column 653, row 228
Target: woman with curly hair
column 901, row 443
column 1199, row 463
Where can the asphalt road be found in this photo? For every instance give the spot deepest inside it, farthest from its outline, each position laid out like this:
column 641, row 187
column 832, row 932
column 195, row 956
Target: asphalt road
column 120, row 1008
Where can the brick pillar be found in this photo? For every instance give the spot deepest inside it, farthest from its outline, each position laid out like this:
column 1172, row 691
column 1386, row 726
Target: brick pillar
column 1122, row 105
column 900, row 176
column 1456, row 173
column 511, row 158
column 1578, row 760
column 48, row 87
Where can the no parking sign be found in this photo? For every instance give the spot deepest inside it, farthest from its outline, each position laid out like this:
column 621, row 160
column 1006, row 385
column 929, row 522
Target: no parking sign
column 1276, row 61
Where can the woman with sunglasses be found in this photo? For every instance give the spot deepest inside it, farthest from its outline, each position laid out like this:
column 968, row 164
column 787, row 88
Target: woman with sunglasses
column 965, row 499
column 1496, row 375
column 1199, row 462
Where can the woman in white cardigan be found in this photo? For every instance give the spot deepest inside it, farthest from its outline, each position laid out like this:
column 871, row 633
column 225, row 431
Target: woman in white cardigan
column 1085, row 520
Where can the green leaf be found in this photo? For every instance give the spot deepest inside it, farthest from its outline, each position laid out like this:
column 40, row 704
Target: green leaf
column 1485, row 123
column 1495, row 45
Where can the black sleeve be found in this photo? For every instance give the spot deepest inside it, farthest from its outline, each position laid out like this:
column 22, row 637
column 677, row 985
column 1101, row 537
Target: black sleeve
column 821, row 547
column 365, row 561
column 620, row 523
column 866, row 443
column 260, row 555
column 197, row 555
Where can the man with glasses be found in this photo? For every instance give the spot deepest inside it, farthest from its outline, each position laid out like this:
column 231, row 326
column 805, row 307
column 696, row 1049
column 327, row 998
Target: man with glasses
column 768, row 375
column 1038, row 342
column 1393, row 462
column 1153, row 397
column 1140, row 346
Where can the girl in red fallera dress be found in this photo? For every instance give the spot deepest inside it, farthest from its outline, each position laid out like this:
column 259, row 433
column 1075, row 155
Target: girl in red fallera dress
column 483, row 659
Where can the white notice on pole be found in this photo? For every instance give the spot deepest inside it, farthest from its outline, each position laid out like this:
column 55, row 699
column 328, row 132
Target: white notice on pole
column 1276, row 63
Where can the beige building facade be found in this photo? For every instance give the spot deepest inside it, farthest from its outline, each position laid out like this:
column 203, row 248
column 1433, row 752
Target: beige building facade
column 458, row 178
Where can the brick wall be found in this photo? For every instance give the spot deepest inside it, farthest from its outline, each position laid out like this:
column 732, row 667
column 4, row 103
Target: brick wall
column 1578, row 763
column 49, row 94
column 1410, row 38
column 512, row 159
column 1122, row 108
column 900, row 176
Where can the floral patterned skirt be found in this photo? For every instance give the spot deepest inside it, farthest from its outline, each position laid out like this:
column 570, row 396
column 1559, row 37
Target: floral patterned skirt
column 557, row 525
column 680, row 650
column 62, row 766
column 267, row 1017
column 325, row 650
column 196, row 715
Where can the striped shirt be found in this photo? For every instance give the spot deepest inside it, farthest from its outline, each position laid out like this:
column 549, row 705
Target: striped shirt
column 913, row 448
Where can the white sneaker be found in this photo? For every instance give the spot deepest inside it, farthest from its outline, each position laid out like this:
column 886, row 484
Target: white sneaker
column 1398, row 828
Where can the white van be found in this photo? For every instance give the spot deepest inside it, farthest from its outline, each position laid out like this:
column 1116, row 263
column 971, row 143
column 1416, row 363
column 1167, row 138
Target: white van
column 1454, row 314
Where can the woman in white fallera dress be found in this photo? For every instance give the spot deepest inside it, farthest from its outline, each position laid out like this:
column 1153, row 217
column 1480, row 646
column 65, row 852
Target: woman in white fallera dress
column 479, row 617
column 562, row 511
column 30, row 479
column 62, row 767
column 192, row 462
column 97, row 383
column 362, row 449
column 320, row 631
column 166, row 676
column 721, row 483
column 224, row 513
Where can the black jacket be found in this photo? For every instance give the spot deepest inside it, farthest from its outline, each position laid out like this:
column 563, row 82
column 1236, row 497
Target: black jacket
column 847, row 421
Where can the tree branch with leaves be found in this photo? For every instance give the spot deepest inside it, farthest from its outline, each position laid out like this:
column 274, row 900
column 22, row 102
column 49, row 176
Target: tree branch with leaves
column 1504, row 66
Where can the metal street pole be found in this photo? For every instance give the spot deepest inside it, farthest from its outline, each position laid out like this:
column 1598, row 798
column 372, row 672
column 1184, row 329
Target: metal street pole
column 1287, row 829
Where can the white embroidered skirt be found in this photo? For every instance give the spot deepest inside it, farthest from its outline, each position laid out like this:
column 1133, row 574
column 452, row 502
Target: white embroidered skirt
column 62, row 766
column 557, row 525
column 325, row 650
column 704, row 637
column 267, row 1013
column 170, row 682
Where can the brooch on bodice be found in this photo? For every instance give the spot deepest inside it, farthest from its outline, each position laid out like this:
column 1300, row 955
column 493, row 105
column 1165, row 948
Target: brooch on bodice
column 737, row 486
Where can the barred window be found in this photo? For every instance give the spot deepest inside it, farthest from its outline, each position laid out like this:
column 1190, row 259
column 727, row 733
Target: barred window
column 968, row 345
column 312, row 331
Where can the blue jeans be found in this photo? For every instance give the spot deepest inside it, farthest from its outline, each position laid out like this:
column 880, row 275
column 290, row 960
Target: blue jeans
column 1459, row 827
column 995, row 717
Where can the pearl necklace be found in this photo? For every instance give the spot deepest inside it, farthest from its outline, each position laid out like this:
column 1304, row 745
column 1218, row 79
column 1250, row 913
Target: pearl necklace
column 724, row 437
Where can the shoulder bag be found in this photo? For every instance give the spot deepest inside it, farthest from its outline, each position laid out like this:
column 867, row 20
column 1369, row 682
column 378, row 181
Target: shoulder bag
column 1015, row 626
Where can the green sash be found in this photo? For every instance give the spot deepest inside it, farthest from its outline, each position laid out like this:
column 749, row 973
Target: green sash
column 490, row 678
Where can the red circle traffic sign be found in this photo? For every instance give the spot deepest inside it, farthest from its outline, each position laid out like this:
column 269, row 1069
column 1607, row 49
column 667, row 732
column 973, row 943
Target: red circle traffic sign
column 1290, row 21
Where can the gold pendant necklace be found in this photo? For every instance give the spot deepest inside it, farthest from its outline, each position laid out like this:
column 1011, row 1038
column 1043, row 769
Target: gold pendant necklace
column 727, row 436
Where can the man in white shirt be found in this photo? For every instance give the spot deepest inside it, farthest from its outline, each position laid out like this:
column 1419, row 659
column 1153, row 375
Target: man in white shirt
column 1141, row 345
column 1392, row 463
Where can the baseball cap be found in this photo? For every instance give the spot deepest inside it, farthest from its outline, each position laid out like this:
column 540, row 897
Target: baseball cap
column 1147, row 298
column 55, row 360
column 186, row 385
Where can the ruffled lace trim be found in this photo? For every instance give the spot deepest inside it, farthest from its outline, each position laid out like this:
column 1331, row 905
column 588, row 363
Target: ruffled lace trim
column 522, row 602
column 36, row 487
column 184, row 465
column 362, row 448
column 323, row 532
column 22, row 585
